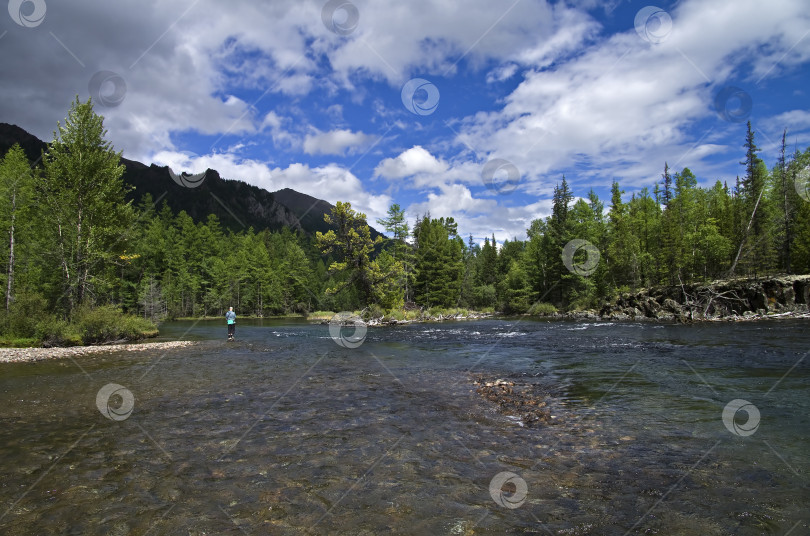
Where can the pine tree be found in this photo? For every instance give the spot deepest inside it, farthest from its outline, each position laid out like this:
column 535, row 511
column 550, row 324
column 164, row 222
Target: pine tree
column 561, row 200
column 558, row 235
column 487, row 273
column 667, row 182
column 752, row 190
column 785, row 199
column 621, row 254
column 644, row 219
column 685, row 219
column 395, row 223
column 800, row 247
column 352, row 241
column 402, row 251
column 471, row 254
column 668, row 253
column 439, row 264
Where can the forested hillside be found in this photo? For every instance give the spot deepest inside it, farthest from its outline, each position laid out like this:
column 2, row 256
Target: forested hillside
column 72, row 239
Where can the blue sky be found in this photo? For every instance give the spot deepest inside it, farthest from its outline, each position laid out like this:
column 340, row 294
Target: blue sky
column 309, row 95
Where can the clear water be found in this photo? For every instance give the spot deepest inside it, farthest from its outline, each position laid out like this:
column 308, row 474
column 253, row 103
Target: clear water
column 286, row 432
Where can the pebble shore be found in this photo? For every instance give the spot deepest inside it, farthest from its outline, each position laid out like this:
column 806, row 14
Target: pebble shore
column 19, row 355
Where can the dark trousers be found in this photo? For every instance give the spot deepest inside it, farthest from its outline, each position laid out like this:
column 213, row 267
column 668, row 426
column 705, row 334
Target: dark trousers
column 231, row 329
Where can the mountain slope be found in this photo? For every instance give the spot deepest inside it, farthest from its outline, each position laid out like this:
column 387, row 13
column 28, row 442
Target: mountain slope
column 307, row 209
column 238, row 205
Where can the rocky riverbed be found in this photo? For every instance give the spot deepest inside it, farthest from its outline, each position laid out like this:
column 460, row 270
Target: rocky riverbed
column 17, row 355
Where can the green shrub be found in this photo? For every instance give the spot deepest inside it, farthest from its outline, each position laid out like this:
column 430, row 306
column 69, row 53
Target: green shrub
column 107, row 324
column 25, row 313
column 397, row 314
column 53, row 331
column 136, row 327
column 436, row 311
column 320, row 315
column 372, row 311
column 542, row 308
column 413, row 314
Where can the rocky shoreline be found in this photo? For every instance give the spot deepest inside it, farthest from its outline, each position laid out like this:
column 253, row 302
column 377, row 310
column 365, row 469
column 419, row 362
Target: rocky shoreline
column 348, row 319
column 19, row 355
column 739, row 300
column 428, row 318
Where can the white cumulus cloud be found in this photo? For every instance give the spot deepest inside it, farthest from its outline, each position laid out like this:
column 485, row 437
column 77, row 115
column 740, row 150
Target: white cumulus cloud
column 336, row 142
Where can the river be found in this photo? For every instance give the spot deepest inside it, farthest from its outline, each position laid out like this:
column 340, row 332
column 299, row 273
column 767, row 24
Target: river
column 656, row 429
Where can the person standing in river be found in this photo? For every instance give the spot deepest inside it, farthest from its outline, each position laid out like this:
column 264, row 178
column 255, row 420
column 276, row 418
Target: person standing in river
column 230, row 317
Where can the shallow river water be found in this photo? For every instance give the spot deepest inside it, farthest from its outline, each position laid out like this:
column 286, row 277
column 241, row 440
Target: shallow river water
column 286, row 432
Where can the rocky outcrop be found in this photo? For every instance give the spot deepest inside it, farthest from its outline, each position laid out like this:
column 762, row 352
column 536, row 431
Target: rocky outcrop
column 738, row 298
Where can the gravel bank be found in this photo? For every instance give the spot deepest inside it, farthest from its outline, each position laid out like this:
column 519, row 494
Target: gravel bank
column 18, row 355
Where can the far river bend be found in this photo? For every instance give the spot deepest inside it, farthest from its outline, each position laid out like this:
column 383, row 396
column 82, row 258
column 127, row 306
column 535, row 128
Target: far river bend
column 286, row 432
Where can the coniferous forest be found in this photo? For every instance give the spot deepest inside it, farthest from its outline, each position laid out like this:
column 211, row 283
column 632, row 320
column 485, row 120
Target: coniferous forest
column 73, row 247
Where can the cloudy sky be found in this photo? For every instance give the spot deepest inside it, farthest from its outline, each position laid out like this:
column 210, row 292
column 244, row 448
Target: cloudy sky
column 472, row 109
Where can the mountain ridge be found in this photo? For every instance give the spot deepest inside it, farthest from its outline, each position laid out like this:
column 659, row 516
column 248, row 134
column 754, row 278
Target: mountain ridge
column 237, row 204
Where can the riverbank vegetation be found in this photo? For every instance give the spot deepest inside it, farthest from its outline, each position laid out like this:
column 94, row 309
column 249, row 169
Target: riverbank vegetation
column 80, row 264
column 67, row 228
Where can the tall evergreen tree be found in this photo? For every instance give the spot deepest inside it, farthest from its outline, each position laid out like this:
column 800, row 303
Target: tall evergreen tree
column 752, row 190
column 622, row 250
column 785, row 191
column 395, row 223
column 439, row 264
column 402, row 252
column 487, row 273
column 799, row 172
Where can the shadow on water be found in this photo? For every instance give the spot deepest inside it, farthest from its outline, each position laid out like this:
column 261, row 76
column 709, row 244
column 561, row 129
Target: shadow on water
column 285, row 432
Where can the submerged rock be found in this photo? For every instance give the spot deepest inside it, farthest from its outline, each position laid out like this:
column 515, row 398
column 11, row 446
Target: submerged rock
column 524, row 400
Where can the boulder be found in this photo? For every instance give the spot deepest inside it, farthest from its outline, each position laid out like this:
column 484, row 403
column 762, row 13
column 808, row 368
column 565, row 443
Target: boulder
column 801, row 289
column 721, row 299
column 672, row 306
column 651, row 307
column 757, row 299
